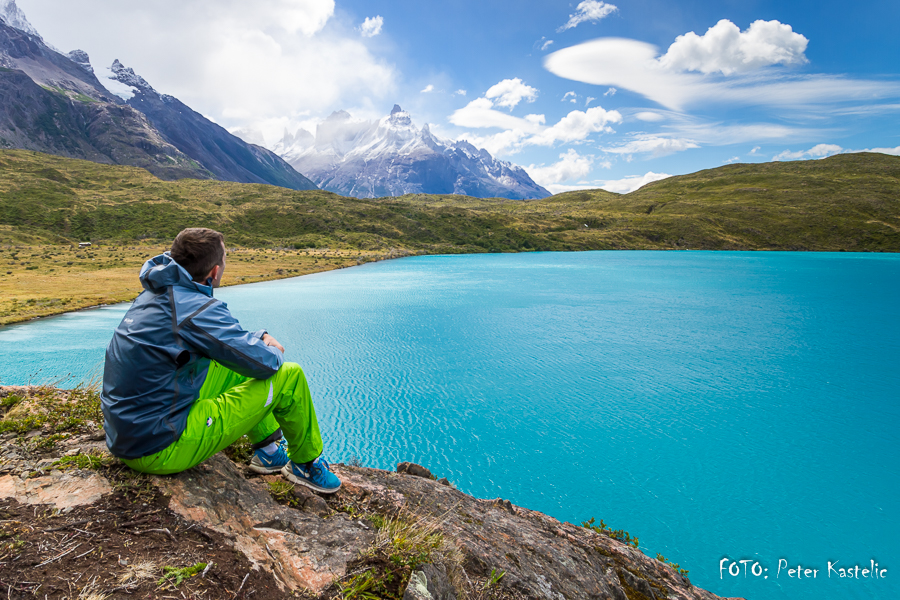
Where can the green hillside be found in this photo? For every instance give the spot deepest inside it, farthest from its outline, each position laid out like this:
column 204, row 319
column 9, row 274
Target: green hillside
column 846, row 202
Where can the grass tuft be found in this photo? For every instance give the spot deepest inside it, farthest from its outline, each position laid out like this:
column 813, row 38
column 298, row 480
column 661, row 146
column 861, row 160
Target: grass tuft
column 175, row 576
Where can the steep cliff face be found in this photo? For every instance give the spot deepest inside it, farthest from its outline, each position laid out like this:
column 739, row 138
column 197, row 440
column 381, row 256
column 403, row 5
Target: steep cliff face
column 54, row 102
column 228, row 157
column 50, row 103
column 389, row 534
column 68, row 123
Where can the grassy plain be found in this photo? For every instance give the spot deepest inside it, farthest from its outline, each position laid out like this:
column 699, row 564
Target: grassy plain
column 48, row 204
column 42, row 280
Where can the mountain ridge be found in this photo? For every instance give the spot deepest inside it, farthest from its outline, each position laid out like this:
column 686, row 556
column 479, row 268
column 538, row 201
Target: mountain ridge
column 393, row 157
column 226, row 156
column 54, row 102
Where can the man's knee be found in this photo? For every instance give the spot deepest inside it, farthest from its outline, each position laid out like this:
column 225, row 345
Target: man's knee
column 291, row 373
column 290, row 368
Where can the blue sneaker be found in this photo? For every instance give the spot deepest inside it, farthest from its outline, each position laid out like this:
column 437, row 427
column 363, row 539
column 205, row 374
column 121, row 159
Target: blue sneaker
column 317, row 476
column 265, row 463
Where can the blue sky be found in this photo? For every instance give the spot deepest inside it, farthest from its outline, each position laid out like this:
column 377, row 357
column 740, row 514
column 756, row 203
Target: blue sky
column 582, row 94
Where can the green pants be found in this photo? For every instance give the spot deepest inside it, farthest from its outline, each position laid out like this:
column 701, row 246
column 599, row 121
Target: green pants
column 231, row 405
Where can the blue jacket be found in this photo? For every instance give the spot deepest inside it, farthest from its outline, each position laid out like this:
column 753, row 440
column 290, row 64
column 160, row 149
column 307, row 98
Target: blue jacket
column 159, row 355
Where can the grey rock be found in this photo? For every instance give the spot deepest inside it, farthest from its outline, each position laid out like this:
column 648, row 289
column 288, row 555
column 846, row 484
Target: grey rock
column 81, row 58
column 443, row 481
column 417, row 589
column 310, row 502
column 540, row 556
column 414, row 469
column 304, row 550
column 430, row 582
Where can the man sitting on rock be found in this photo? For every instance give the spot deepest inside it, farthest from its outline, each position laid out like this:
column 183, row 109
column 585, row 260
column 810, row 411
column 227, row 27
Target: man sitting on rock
column 183, row 379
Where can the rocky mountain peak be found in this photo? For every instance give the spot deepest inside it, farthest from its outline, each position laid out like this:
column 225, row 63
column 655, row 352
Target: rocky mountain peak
column 339, row 115
column 81, row 58
column 400, row 117
column 127, row 76
column 13, row 16
column 392, row 157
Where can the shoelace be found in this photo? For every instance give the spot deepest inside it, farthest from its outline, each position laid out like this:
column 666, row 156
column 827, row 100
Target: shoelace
column 315, row 470
column 275, row 455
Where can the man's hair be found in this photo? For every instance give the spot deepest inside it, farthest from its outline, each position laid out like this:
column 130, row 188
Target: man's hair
column 198, row 250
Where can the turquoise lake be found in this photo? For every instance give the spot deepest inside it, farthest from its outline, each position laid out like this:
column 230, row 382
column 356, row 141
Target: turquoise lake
column 714, row 404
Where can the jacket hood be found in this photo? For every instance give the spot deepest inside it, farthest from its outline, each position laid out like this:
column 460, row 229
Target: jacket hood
column 161, row 271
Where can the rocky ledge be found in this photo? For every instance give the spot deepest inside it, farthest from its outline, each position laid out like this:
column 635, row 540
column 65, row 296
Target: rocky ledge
column 385, row 534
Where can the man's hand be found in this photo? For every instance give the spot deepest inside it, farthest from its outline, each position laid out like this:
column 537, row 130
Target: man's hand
column 268, row 340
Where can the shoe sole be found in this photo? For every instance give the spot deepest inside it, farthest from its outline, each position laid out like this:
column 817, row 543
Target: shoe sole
column 289, row 474
column 262, row 470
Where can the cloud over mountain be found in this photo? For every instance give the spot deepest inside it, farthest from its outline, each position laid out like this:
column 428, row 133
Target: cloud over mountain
column 392, row 157
column 251, row 65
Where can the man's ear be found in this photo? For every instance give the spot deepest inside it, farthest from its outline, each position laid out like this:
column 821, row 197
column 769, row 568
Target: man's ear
column 214, row 274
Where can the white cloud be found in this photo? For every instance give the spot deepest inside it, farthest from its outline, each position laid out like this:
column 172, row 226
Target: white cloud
column 731, row 160
column 577, row 125
column 480, row 113
column 571, row 96
column 755, row 149
column 498, row 144
column 610, row 92
column 633, row 65
column 721, row 134
column 649, row 117
column 371, row 26
column 629, row 184
column 530, row 130
column 893, row 151
column 428, row 89
column 546, row 45
column 725, row 49
column 654, row 145
column 817, row 151
column 588, row 100
column 570, row 166
column 243, row 66
column 249, row 135
column 460, row 92
column 589, row 10
column 510, row 92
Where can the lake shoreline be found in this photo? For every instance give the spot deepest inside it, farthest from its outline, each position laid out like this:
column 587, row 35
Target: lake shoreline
column 36, row 291
column 360, row 259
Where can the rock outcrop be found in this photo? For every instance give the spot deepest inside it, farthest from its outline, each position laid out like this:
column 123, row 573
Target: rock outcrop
column 381, row 529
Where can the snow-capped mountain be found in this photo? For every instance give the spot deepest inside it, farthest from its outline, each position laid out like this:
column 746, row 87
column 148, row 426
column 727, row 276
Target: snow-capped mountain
column 392, row 157
column 13, row 16
column 55, row 102
column 227, row 157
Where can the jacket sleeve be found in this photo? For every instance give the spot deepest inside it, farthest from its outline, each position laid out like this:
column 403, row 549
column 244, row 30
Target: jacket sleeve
column 215, row 333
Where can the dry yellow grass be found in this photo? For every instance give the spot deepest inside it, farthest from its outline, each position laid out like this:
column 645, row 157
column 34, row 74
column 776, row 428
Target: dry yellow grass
column 38, row 281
